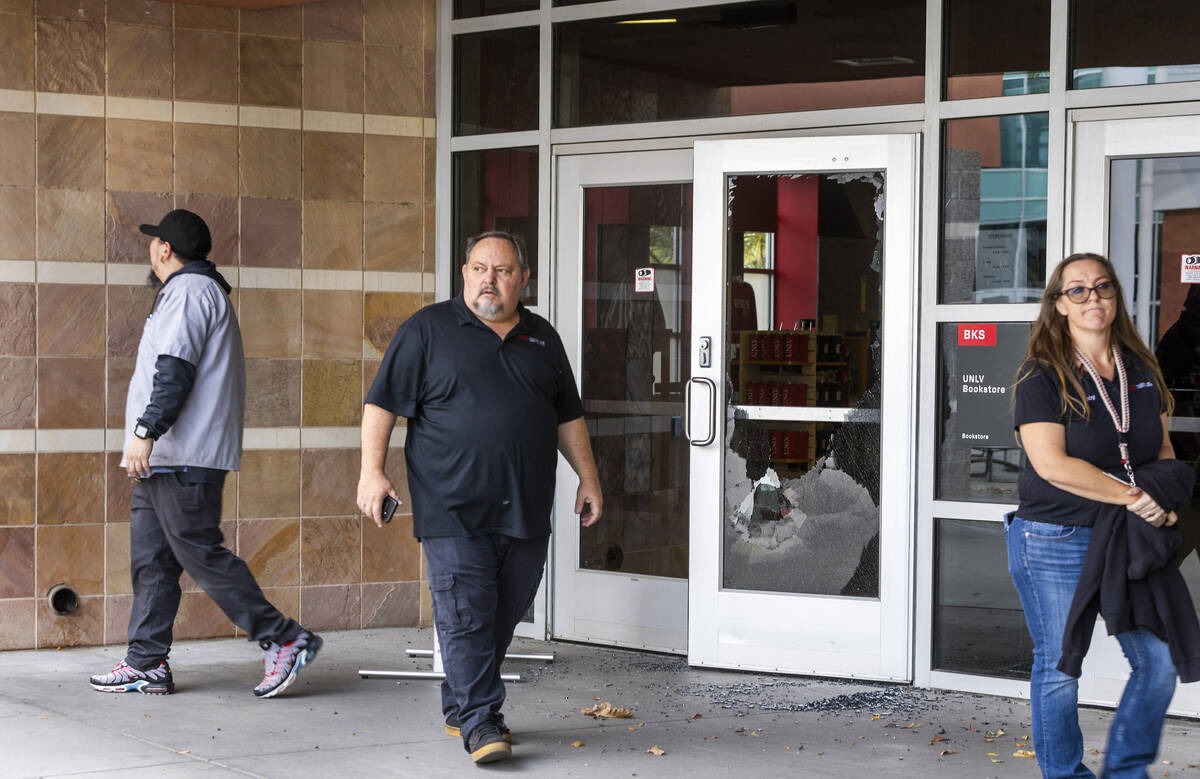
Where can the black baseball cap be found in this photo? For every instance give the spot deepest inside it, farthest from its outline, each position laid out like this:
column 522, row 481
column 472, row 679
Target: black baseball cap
column 185, row 231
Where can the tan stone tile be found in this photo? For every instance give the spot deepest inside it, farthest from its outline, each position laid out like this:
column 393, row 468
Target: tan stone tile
column 17, row 488
column 429, row 244
column 128, row 308
column 272, row 21
column 71, row 554
column 393, row 237
column 71, row 225
column 394, row 167
column 86, row 10
column 200, row 617
column 17, row 321
column 370, row 369
column 18, row 225
column 426, row 604
column 140, row 12
column 333, row 76
column 333, row 324
column 332, row 394
column 390, row 554
column 333, row 234
column 327, row 479
column 270, row 162
column 18, row 392
column 70, row 320
column 16, row 52
column 19, row 7
column 139, row 155
column 272, row 395
column 70, row 152
column 17, row 147
column 430, row 83
column 394, row 80
column 329, row 552
column 271, row 487
column 124, row 242
column 270, row 320
column 16, row 556
column 206, row 158
column 70, row 57
column 286, row 599
column 331, row 608
column 383, row 313
column 18, row 624
column 430, row 171
column 229, row 501
column 429, row 24
column 333, row 166
column 271, row 232
column 207, row 66
column 119, row 372
column 334, row 20
column 140, row 60
column 270, row 71
column 82, row 627
column 118, row 489
column 271, row 547
column 392, row 22
column 220, row 213
column 116, row 618
column 200, row 17
column 71, row 393
column 116, row 559
column 396, row 604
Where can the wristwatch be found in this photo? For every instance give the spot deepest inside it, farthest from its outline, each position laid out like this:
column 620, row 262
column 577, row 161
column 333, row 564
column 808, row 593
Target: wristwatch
column 143, row 431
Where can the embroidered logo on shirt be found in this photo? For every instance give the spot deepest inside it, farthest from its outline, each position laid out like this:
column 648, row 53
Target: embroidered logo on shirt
column 531, row 339
column 1143, row 385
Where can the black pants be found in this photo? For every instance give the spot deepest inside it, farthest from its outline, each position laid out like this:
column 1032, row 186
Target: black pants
column 175, row 527
column 481, row 588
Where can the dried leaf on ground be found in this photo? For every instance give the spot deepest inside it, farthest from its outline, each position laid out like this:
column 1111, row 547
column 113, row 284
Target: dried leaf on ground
column 696, row 716
column 656, row 750
column 608, row 711
column 911, row 726
column 936, row 739
column 576, row 743
column 1024, row 753
column 945, row 752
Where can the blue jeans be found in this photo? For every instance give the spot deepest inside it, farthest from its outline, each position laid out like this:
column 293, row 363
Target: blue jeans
column 1045, row 562
column 481, row 588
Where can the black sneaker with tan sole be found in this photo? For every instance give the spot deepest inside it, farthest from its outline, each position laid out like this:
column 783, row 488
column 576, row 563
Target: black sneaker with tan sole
column 453, row 728
column 487, row 745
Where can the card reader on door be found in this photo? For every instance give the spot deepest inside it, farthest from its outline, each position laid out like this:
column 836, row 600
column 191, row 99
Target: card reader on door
column 705, row 352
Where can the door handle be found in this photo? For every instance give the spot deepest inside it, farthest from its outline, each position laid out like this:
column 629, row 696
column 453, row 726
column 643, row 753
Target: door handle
column 712, row 410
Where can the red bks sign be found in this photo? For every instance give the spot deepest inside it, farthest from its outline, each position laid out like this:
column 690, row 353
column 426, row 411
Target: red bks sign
column 977, row 335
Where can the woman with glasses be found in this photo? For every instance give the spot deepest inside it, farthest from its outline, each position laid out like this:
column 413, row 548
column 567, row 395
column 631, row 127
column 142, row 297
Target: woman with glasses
column 1089, row 411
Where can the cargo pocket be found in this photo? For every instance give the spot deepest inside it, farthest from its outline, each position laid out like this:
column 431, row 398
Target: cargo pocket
column 447, row 614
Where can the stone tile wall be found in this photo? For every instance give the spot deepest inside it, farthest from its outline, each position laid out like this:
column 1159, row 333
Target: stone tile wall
column 304, row 136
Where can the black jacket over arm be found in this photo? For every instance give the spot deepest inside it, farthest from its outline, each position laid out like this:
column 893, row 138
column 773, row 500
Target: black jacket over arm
column 1130, row 577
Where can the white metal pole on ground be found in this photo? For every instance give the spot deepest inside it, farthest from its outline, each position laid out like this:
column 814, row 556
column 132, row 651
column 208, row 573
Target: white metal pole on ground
column 438, row 671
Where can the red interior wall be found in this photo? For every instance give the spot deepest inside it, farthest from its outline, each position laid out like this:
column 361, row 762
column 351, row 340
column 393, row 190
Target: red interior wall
column 796, row 251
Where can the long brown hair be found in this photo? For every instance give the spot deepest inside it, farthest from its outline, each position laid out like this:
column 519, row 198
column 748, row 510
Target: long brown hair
column 1050, row 342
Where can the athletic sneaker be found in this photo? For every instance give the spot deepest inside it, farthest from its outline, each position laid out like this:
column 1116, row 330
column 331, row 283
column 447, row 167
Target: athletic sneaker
column 454, row 730
column 126, row 678
column 282, row 662
column 487, row 745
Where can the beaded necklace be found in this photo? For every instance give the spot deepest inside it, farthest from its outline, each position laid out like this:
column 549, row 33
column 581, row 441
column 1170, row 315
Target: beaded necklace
column 1121, row 423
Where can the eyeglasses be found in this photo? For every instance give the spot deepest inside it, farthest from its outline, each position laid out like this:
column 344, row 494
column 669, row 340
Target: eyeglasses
column 1105, row 290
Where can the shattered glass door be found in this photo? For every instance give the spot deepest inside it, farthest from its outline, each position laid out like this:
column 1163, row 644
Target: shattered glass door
column 636, row 333
column 801, row 505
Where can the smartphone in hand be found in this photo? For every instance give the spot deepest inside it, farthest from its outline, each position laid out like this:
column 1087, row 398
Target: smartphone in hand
column 390, row 505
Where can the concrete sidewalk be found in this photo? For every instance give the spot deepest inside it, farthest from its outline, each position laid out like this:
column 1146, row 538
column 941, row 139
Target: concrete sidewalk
column 332, row 723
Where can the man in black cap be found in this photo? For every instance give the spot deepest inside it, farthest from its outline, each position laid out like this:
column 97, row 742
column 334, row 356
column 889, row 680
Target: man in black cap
column 183, row 433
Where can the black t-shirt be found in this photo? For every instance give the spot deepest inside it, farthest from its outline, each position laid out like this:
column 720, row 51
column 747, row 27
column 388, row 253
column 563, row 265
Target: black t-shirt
column 1037, row 399
column 482, row 444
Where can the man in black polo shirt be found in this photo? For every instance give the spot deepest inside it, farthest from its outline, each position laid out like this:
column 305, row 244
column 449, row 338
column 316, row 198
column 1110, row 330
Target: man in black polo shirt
column 490, row 400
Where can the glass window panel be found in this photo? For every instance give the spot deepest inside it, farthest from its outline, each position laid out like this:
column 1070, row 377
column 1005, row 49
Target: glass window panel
column 978, row 459
column 1147, row 42
column 995, row 49
column 465, row 9
column 496, row 81
column 748, row 58
column 634, row 368
column 801, row 496
column 994, row 209
column 496, row 190
column 978, row 623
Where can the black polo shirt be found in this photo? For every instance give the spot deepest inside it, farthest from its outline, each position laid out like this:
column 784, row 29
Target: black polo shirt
column 483, row 417
column 1037, row 399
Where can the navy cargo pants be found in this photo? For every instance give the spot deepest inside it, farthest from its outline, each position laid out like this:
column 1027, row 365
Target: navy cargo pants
column 481, row 588
column 175, row 526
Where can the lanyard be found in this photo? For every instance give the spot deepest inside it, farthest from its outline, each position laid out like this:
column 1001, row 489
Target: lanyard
column 1121, row 423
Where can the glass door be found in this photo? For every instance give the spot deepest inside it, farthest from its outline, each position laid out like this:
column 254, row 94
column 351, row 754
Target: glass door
column 801, row 413
column 624, row 248
column 1137, row 200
